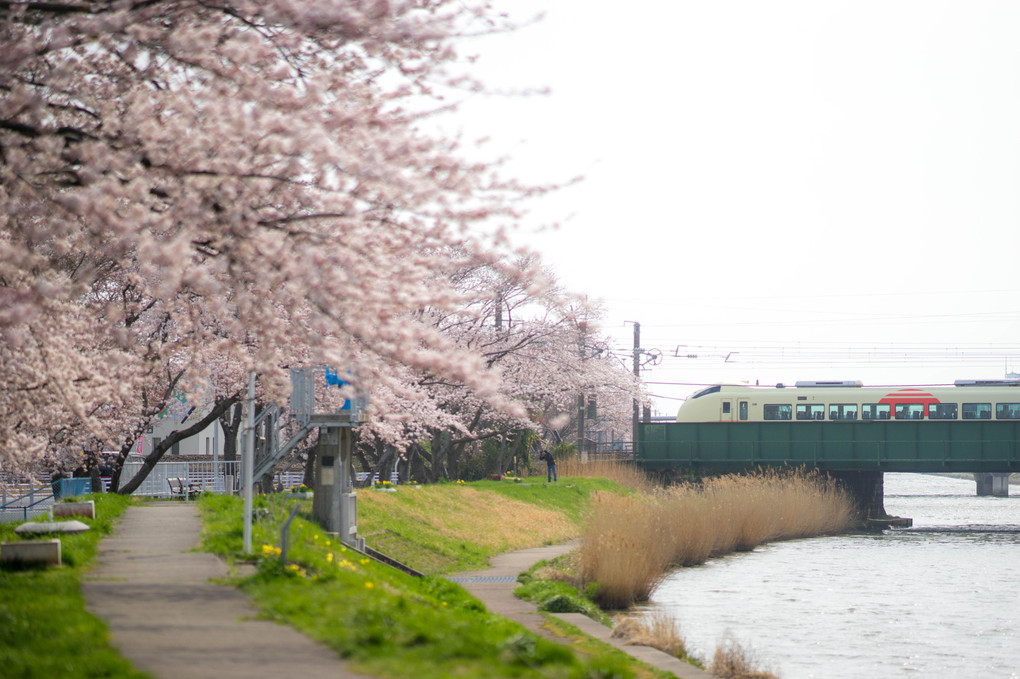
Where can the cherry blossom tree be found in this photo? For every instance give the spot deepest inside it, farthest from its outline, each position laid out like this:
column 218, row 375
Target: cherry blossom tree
column 540, row 340
column 191, row 186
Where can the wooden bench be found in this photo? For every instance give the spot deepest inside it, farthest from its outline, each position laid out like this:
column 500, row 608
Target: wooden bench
column 178, row 489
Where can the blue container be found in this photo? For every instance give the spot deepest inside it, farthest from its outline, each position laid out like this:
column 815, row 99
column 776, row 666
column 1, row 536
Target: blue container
column 71, row 487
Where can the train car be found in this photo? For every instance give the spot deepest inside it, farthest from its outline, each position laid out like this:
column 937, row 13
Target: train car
column 852, row 401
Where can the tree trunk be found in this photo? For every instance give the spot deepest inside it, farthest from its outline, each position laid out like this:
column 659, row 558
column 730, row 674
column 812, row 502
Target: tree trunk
column 308, row 480
column 231, row 424
column 388, row 454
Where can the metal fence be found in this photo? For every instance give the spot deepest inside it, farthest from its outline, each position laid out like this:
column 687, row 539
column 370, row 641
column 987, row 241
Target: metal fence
column 23, row 501
column 211, row 477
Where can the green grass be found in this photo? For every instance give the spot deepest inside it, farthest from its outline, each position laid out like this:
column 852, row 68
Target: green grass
column 382, row 621
column 569, row 496
column 389, row 624
column 385, row 623
column 45, row 630
column 547, row 585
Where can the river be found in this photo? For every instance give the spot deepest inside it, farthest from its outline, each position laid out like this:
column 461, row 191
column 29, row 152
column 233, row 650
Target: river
column 941, row 599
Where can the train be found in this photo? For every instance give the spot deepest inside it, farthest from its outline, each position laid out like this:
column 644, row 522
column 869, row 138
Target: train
column 841, row 401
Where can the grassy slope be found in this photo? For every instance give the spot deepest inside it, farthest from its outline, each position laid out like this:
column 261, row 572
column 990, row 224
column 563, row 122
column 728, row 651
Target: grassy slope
column 45, row 630
column 392, row 625
column 456, row 527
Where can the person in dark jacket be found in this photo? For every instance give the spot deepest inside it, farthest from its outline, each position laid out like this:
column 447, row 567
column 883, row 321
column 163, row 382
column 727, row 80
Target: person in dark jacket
column 550, row 462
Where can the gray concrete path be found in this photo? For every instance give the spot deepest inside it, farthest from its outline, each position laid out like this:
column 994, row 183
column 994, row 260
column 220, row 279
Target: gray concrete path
column 494, row 586
column 167, row 618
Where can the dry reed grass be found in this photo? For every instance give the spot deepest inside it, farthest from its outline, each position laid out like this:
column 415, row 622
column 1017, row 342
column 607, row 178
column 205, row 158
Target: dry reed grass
column 658, row 630
column 624, row 473
column 630, row 542
column 732, row 661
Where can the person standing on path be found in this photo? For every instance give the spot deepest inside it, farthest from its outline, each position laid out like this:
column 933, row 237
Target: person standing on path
column 550, row 462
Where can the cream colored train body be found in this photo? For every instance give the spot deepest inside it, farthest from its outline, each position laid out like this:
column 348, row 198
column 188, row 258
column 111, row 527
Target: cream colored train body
column 851, row 401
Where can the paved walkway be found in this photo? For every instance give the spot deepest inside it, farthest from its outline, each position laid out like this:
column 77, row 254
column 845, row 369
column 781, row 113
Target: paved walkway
column 166, row 616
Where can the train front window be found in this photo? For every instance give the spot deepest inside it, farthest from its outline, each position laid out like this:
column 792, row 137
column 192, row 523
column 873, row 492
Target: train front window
column 875, row 411
column 1007, row 411
column 705, row 392
column 942, row 411
column 843, row 411
column 778, row 411
column 810, row 411
column 977, row 411
column 909, row 411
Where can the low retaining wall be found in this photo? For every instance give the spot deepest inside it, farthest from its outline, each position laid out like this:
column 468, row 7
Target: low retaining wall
column 34, row 552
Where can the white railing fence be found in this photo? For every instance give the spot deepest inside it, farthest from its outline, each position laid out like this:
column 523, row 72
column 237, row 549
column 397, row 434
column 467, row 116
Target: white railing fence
column 21, row 500
column 214, row 477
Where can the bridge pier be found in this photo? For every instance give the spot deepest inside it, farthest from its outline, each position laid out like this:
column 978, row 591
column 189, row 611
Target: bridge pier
column 867, row 489
column 996, row 485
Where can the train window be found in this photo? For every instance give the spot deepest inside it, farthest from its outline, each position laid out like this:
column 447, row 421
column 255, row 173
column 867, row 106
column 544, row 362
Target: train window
column 875, row 411
column 909, row 411
column 1007, row 411
column 942, row 411
column 778, row 411
column 810, row 411
column 726, row 407
column 705, row 392
column 977, row 411
column 843, row 411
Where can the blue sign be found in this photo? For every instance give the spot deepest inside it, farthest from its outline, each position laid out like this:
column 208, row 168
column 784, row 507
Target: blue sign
column 334, row 379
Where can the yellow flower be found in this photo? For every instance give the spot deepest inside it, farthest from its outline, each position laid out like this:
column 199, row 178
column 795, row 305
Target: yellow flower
column 297, row 570
column 268, row 551
column 364, row 562
column 369, row 585
column 329, row 557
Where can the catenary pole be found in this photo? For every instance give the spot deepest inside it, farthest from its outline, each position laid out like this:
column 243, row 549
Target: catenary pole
column 637, row 374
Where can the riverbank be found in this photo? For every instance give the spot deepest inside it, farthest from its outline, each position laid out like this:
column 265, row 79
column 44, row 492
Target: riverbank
column 385, row 623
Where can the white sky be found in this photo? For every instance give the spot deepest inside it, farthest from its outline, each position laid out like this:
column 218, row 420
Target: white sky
column 827, row 189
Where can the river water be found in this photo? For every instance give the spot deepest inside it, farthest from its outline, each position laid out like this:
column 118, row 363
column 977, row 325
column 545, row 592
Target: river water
column 941, row 599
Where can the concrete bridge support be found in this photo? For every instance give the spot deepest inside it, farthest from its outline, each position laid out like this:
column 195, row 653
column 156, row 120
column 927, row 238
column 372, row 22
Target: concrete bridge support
column 867, row 490
column 996, row 485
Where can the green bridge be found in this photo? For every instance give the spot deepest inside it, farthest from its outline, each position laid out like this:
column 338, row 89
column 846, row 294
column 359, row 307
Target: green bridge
column 883, row 445
column 856, row 453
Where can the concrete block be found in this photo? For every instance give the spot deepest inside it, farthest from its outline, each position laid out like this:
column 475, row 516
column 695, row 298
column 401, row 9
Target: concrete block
column 39, row 527
column 36, row 552
column 65, row 509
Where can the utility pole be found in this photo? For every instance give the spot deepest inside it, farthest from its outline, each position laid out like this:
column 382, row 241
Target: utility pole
column 637, row 375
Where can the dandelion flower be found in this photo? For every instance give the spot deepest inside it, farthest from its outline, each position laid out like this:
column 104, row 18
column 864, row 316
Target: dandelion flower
column 369, row 585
